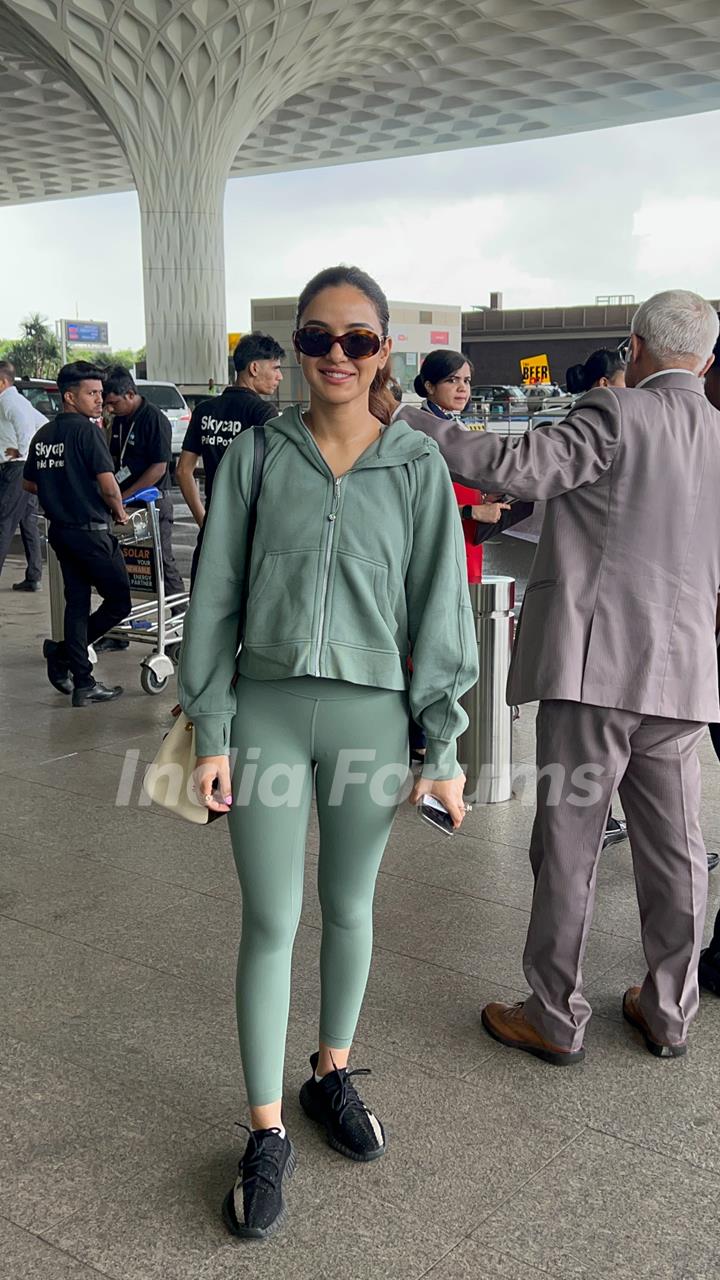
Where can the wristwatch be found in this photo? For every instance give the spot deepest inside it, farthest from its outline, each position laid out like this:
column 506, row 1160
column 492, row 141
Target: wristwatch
column 466, row 512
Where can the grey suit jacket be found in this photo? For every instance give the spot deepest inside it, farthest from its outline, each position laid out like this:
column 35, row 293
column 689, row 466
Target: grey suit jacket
column 620, row 607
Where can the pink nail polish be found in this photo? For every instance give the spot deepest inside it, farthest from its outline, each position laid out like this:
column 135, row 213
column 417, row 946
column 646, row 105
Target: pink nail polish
column 227, row 800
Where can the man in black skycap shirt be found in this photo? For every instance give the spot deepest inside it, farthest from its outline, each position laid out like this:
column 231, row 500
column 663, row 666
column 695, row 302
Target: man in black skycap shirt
column 141, row 447
column 70, row 469
column 215, row 422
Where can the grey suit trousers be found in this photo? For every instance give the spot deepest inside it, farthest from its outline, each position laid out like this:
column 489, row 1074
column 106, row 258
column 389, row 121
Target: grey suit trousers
column 585, row 753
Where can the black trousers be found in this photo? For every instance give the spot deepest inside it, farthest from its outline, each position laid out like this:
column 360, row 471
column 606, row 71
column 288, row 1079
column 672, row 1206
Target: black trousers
column 89, row 558
column 173, row 582
column 17, row 507
column 196, row 556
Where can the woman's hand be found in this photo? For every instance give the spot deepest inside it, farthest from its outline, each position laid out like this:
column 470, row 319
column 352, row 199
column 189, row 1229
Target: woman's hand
column 449, row 793
column 207, row 771
column 489, row 512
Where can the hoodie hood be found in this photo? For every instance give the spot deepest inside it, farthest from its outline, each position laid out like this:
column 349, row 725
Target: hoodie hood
column 398, row 442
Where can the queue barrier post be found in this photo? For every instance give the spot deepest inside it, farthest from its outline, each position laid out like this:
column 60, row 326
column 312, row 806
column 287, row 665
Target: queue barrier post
column 485, row 749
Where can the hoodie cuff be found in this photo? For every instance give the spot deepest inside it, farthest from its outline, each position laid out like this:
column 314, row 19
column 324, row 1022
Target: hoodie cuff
column 212, row 735
column 441, row 762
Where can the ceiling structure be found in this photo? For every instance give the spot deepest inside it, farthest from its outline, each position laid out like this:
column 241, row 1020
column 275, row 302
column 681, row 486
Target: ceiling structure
column 413, row 78
column 172, row 97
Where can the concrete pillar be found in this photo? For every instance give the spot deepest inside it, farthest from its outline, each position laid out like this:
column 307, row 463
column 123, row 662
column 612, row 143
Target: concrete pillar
column 181, row 84
column 170, row 79
column 184, row 275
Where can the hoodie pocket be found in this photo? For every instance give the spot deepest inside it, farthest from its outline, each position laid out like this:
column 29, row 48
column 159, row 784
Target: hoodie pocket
column 281, row 600
column 359, row 613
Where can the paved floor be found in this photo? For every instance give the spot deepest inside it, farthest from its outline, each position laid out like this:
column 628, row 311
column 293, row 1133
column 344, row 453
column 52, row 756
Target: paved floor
column 119, row 1079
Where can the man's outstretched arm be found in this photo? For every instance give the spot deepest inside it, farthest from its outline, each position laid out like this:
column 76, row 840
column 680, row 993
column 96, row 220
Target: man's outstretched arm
column 540, row 464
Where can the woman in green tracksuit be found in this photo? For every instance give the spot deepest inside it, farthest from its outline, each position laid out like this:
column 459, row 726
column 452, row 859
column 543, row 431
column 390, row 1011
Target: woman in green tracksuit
column 357, row 563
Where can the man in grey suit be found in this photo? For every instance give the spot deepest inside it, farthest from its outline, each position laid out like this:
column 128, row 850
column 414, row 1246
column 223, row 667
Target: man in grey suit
column 616, row 640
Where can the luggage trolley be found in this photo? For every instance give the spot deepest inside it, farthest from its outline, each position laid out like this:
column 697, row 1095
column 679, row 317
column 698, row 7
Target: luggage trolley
column 150, row 623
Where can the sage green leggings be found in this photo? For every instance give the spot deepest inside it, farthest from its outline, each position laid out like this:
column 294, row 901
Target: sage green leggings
column 353, row 742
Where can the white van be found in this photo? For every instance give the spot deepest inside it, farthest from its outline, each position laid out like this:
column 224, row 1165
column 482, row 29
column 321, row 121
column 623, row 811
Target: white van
column 165, row 396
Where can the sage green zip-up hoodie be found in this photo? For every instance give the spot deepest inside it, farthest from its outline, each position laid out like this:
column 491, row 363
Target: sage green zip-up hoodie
column 349, row 579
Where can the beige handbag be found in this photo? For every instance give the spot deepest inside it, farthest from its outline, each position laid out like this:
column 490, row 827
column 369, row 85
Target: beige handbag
column 169, row 780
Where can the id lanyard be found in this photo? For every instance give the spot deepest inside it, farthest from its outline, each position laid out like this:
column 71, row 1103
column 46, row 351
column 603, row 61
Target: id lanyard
column 124, row 473
column 127, row 441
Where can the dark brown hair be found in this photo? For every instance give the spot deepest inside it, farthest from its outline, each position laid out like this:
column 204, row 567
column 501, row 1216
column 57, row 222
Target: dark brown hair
column 603, row 363
column 382, row 402
column 438, row 365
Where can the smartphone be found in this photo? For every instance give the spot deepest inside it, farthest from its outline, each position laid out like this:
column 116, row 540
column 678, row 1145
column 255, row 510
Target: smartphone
column 433, row 811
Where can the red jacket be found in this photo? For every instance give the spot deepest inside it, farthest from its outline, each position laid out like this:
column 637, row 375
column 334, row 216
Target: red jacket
column 474, row 554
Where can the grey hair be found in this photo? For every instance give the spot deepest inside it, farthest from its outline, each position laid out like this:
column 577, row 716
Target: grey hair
column 677, row 323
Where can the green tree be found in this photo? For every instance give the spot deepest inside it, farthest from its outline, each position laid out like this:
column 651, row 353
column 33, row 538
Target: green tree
column 105, row 359
column 37, row 353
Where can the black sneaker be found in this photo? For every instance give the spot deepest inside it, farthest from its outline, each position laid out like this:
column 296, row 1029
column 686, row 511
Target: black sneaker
column 58, row 672
column 709, row 971
column 254, row 1208
column 615, row 832
column 26, row 585
column 350, row 1126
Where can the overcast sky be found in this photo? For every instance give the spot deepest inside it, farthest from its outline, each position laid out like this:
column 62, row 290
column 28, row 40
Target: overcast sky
column 554, row 221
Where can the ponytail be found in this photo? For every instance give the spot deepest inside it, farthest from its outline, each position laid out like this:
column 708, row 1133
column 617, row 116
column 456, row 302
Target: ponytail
column 382, row 401
column 603, row 363
column 575, row 379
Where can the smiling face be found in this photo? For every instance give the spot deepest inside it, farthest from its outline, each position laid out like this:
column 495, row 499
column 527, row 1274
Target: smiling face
column 451, row 393
column 335, row 379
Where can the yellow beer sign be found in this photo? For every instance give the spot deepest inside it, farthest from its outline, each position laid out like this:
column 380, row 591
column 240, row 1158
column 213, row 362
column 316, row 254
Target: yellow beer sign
column 535, row 369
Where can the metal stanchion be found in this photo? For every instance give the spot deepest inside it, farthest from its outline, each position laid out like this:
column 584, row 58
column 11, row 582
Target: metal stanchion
column 485, row 749
column 57, row 592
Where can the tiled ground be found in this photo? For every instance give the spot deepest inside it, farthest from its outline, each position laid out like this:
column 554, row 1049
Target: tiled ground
column 119, row 1079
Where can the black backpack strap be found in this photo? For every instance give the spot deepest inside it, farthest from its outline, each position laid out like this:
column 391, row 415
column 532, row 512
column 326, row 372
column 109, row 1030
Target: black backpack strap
column 260, row 446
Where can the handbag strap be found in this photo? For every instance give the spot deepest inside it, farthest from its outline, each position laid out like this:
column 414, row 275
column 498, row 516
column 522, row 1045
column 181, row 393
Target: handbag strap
column 260, row 445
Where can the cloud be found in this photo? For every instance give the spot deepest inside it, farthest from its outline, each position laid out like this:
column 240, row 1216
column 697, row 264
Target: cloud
column 553, row 221
column 432, row 251
column 677, row 237
column 74, row 258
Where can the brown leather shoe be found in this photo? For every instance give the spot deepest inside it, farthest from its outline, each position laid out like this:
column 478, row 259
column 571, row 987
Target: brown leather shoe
column 508, row 1024
column 633, row 1014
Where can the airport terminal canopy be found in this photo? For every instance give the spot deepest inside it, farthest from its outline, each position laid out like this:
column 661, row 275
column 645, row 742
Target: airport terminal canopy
column 172, row 97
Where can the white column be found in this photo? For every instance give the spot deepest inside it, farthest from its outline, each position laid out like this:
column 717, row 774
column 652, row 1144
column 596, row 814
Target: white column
column 184, row 274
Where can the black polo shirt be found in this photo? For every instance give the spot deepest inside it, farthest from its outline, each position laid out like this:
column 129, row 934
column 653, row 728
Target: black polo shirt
column 215, row 423
column 140, row 441
column 64, row 459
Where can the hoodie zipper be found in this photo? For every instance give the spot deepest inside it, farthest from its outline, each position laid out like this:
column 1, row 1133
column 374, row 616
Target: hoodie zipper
column 326, row 571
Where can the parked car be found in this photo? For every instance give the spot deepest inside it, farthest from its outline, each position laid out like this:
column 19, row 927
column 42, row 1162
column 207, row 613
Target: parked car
column 166, row 396
column 42, row 393
column 547, row 396
column 502, row 398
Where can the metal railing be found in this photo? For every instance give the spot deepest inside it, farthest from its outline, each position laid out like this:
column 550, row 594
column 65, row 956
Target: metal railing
column 485, row 749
